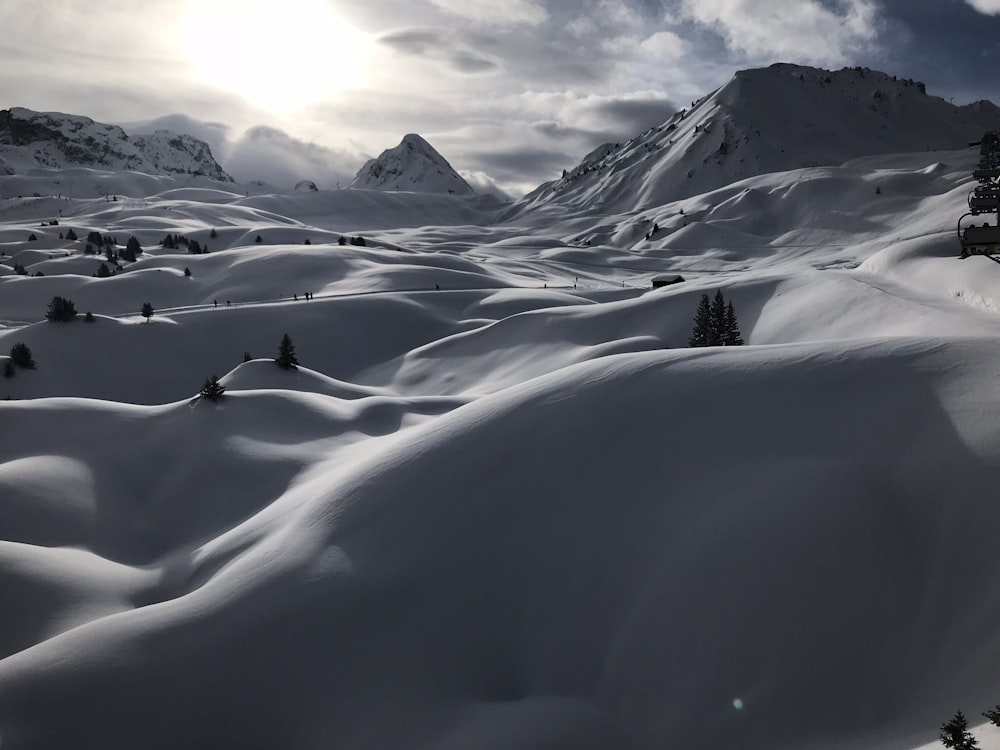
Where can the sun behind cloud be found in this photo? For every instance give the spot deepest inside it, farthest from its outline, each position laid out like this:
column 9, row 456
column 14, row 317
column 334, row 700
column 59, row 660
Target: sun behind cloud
column 279, row 55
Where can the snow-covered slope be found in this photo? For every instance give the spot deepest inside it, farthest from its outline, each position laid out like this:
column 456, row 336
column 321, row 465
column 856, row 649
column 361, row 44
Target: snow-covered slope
column 764, row 120
column 53, row 140
column 500, row 504
column 414, row 165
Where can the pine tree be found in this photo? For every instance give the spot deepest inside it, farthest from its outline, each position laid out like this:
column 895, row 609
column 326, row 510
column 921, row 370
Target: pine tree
column 61, row 310
column 731, row 328
column 212, row 390
column 702, row 332
column 286, row 354
column 20, row 356
column 258, row 239
column 147, row 311
column 993, row 714
column 103, row 271
column 89, row 317
column 718, row 319
column 955, row 734
column 247, row 357
column 187, row 271
column 8, row 369
column 213, row 234
column 71, row 235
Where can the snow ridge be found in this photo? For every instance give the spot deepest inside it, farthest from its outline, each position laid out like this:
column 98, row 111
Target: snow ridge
column 53, row 140
column 415, row 166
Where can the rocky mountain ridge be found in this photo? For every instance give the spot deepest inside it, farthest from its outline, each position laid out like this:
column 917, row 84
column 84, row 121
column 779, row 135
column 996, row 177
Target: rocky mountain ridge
column 54, row 140
column 765, row 120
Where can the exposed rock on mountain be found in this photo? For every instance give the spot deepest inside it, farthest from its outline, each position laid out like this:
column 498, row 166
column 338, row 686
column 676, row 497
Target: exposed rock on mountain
column 31, row 140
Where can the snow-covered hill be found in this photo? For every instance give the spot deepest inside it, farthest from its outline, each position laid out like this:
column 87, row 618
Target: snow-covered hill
column 414, row 165
column 52, row 140
column 764, row 120
column 500, row 503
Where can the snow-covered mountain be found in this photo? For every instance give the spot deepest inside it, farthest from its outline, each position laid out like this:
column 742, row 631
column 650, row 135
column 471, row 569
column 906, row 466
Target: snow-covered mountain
column 53, row 140
column 766, row 120
column 415, row 166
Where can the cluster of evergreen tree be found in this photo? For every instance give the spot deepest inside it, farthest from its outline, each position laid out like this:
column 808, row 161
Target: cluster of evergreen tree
column 173, row 241
column 177, row 241
column 60, row 310
column 955, row 733
column 358, row 241
column 132, row 249
column 212, row 390
column 715, row 323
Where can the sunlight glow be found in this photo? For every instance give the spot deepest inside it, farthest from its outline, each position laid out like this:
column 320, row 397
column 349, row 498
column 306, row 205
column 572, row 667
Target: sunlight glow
column 280, row 55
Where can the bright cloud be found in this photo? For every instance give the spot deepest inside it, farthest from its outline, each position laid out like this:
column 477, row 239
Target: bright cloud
column 791, row 30
column 988, row 7
column 511, row 12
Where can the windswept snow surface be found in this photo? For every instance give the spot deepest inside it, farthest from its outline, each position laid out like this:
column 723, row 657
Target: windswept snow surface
column 500, row 504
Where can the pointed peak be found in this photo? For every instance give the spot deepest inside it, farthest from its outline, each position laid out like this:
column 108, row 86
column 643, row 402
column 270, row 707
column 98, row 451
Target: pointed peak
column 412, row 166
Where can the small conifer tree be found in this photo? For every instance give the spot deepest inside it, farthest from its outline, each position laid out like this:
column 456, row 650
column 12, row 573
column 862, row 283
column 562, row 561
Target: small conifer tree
column 71, row 235
column 731, row 328
column 89, row 317
column 8, row 369
column 213, row 234
column 20, row 356
column 993, row 714
column 258, row 239
column 32, row 237
column 187, row 271
column 702, row 333
column 718, row 318
column 212, row 389
column 147, row 311
column 955, row 734
column 247, row 357
column 286, row 354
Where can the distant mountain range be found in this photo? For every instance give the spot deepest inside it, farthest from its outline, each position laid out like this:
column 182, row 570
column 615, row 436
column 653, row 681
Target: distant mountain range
column 53, row 140
column 763, row 120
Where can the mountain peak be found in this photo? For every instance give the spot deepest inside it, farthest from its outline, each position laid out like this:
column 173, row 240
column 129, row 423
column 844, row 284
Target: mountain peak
column 55, row 140
column 414, row 166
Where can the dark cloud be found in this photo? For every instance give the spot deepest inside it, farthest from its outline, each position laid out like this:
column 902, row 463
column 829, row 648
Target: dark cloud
column 633, row 115
column 945, row 43
column 530, row 166
column 441, row 45
column 469, row 62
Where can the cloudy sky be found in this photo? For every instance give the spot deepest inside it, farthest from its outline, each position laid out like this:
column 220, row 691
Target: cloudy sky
column 510, row 91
